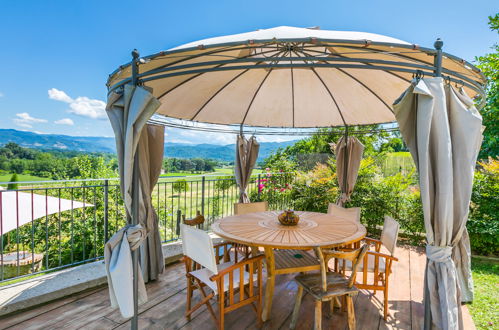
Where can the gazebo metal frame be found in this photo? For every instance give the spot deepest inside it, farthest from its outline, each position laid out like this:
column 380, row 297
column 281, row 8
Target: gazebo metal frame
column 287, row 51
column 291, row 48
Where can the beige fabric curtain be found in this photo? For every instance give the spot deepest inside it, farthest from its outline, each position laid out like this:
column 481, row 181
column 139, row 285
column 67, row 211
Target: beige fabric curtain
column 246, row 156
column 118, row 259
column 443, row 132
column 151, row 146
column 128, row 112
column 352, row 150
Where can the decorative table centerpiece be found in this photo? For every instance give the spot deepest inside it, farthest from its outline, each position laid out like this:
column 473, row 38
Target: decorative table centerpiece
column 288, row 218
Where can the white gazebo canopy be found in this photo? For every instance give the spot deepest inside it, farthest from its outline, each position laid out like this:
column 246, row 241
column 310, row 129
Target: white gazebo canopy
column 290, row 77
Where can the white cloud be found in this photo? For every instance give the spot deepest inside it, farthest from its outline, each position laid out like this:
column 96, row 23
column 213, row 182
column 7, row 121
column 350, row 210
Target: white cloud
column 2, row 94
column 58, row 95
column 82, row 105
column 25, row 120
column 64, row 121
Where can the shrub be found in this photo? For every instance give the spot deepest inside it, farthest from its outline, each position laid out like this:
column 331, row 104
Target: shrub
column 273, row 188
column 13, row 185
column 180, row 185
column 483, row 223
column 224, row 182
column 376, row 194
column 314, row 190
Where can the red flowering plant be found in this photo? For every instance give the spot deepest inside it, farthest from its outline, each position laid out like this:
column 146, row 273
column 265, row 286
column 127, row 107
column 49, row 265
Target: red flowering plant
column 274, row 185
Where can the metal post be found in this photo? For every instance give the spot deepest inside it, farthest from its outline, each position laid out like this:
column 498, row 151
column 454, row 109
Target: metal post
column 203, row 181
column 438, row 57
column 135, row 210
column 259, row 182
column 135, row 66
column 179, row 216
column 106, row 210
column 345, row 164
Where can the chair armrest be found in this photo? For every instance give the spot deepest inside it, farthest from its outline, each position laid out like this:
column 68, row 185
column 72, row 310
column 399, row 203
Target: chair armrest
column 338, row 254
column 382, row 255
column 372, row 240
column 235, row 266
column 377, row 243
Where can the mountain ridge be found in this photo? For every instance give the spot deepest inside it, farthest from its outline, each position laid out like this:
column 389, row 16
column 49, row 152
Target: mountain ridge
column 107, row 144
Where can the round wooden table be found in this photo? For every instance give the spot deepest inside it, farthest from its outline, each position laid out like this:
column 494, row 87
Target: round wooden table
column 262, row 229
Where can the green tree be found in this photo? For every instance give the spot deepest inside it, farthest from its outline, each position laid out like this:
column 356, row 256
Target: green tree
column 489, row 64
column 224, row 183
column 13, row 185
column 180, row 185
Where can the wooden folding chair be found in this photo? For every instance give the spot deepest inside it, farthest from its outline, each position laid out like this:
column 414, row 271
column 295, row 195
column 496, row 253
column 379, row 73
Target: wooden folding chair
column 342, row 212
column 244, row 208
column 378, row 263
column 352, row 213
column 328, row 286
column 225, row 279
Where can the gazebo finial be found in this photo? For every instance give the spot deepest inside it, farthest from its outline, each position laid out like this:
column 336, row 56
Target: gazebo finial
column 135, row 66
column 438, row 57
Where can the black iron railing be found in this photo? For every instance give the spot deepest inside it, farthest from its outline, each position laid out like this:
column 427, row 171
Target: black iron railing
column 88, row 212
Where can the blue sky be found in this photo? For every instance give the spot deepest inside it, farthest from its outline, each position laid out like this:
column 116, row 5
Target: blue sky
column 55, row 56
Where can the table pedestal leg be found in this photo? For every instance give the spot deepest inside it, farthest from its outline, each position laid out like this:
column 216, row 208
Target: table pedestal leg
column 269, row 290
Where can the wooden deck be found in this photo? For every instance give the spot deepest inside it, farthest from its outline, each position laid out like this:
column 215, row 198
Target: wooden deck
column 167, row 296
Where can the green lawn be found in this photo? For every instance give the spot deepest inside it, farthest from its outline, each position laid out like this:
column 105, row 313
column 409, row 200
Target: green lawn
column 485, row 307
column 180, row 174
column 398, row 162
column 22, row 177
column 226, row 171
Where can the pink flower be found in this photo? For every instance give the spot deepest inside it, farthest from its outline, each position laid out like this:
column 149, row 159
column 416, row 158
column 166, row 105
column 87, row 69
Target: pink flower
column 260, row 187
column 283, row 189
column 267, row 169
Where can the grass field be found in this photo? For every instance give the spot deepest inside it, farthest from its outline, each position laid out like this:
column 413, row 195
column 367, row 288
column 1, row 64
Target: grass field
column 485, row 307
column 396, row 162
column 22, row 177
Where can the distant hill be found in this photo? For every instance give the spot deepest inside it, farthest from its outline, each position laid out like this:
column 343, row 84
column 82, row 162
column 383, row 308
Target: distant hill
column 107, row 144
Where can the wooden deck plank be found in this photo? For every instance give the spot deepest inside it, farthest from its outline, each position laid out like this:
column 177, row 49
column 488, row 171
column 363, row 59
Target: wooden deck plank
column 167, row 297
column 367, row 310
column 399, row 294
column 92, row 307
column 12, row 320
column 172, row 282
column 417, row 260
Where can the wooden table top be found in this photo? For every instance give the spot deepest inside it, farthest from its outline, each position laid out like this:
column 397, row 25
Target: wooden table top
column 313, row 229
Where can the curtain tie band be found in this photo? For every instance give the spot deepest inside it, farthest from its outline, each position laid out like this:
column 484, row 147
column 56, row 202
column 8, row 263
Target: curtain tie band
column 136, row 234
column 438, row 253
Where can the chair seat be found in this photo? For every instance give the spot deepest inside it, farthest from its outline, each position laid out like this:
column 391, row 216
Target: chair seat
column 370, row 264
column 293, row 261
column 204, row 276
column 337, row 285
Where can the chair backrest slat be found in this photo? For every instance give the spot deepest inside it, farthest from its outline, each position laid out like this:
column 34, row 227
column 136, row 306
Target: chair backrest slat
column 231, row 287
column 241, row 286
column 346, row 213
column 197, row 245
column 243, row 208
column 250, row 286
column 390, row 234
